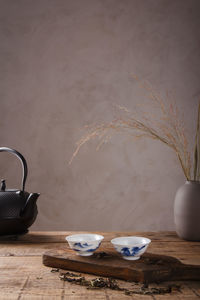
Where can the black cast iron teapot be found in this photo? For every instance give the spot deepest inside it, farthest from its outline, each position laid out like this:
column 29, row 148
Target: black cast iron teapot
column 18, row 209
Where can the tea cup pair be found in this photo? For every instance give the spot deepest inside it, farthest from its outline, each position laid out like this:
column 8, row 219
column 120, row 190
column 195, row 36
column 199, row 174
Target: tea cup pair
column 130, row 247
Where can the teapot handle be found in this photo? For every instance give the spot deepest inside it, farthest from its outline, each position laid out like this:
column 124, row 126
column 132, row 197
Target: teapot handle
column 23, row 162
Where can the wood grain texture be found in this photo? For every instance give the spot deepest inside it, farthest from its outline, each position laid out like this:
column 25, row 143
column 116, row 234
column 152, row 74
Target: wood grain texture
column 149, row 268
column 23, row 276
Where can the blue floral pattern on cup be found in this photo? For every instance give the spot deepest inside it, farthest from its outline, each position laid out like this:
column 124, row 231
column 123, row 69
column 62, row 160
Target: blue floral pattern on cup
column 84, row 244
column 131, row 247
column 131, row 252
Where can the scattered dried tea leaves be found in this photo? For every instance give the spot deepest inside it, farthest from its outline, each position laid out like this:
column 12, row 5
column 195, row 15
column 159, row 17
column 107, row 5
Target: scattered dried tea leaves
column 92, row 284
column 9, row 254
column 79, row 280
column 110, row 283
column 70, row 274
column 153, row 261
column 54, row 270
column 101, row 254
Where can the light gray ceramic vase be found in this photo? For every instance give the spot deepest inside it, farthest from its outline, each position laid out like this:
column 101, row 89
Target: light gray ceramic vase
column 187, row 211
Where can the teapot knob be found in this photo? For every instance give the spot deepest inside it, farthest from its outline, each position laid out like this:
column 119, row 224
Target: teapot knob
column 3, row 185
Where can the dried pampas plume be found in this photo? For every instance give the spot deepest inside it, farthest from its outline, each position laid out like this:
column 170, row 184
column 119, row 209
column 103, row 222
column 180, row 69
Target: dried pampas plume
column 166, row 126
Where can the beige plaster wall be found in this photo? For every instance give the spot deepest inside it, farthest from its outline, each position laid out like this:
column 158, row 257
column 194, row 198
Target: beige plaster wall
column 63, row 64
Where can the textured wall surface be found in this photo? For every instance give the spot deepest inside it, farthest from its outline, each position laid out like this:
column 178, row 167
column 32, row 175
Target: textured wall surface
column 63, row 64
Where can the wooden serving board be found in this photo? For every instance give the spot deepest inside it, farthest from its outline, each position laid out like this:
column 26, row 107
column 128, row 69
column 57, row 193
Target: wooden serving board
column 149, row 268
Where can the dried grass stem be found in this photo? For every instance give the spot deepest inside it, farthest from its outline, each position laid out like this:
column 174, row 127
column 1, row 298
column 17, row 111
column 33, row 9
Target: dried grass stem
column 168, row 128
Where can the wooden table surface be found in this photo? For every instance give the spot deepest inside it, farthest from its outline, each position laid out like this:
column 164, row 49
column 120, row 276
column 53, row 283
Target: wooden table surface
column 23, row 276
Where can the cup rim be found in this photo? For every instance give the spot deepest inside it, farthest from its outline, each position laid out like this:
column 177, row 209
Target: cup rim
column 87, row 237
column 144, row 241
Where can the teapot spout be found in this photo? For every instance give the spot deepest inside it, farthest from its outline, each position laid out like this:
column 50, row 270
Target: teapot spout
column 30, row 205
column 33, row 197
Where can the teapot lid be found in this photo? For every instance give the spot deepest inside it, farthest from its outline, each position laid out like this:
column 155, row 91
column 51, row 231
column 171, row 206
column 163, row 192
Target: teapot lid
column 4, row 190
